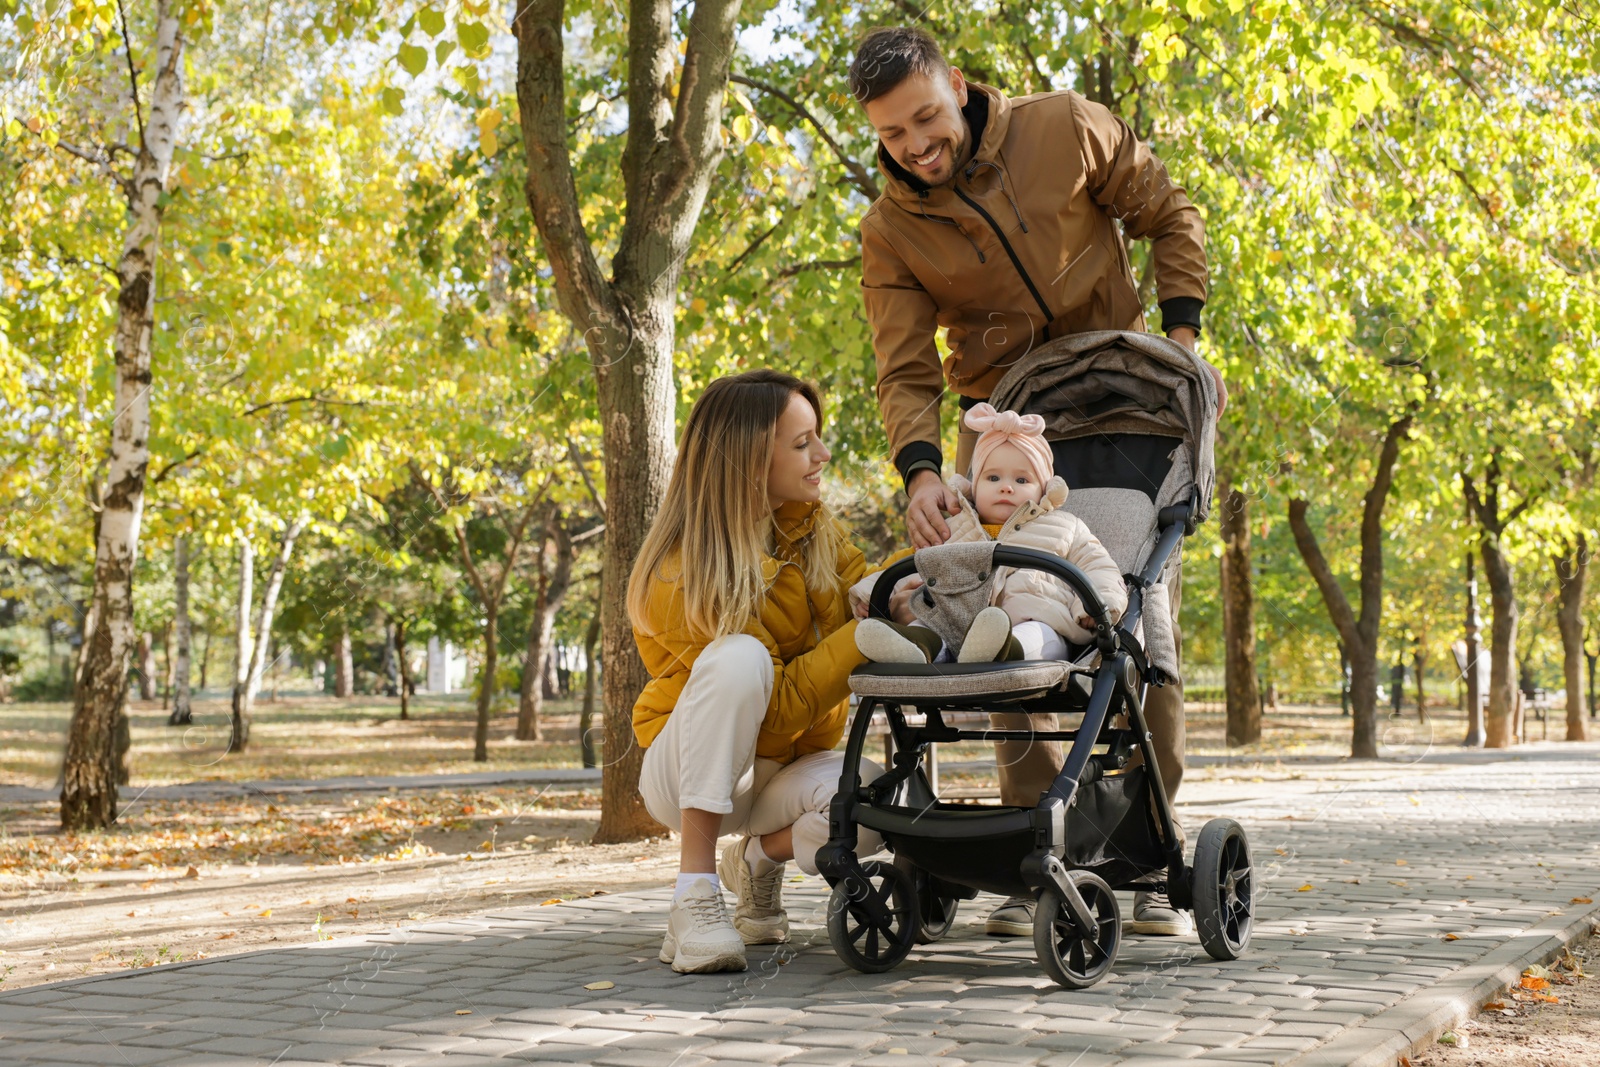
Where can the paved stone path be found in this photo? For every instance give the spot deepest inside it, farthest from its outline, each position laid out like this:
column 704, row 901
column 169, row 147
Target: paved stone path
column 1351, row 962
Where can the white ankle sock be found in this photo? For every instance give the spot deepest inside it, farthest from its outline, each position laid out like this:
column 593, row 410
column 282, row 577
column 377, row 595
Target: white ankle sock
column 757, row 859
column 687, row 880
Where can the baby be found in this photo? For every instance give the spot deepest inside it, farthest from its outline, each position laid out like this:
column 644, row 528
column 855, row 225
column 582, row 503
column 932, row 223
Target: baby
column 1013, row 497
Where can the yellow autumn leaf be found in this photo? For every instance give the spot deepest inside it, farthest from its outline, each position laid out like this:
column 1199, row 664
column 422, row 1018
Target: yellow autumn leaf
column 463, row 1011
column 1581, row 900
column 601, row 985
column 1305, row 888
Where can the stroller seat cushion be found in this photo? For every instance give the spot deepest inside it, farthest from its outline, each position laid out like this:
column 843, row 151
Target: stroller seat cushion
column 1013, row 680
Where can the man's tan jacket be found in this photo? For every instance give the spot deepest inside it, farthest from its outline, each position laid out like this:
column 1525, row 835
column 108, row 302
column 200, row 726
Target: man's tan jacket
column 1020, row 247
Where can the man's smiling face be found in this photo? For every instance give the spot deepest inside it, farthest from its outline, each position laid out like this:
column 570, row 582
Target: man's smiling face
column 920, row 123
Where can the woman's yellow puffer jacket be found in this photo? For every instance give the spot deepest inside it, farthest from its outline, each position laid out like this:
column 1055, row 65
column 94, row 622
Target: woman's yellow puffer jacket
column 810, row 634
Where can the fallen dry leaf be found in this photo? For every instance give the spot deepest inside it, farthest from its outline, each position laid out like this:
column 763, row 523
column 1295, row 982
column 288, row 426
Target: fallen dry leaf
column 1400, row 863
column 192, row 872
column 266, row 912
column 1308, row 887
column 1582, row 900
column 1452, row 937
column 601, row 985
column 1495, row 1005
column 552, row 900
column 463, row 1011
column 1532, row 983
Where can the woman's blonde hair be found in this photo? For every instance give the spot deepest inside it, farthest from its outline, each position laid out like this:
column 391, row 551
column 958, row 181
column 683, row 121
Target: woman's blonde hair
column 717, row 520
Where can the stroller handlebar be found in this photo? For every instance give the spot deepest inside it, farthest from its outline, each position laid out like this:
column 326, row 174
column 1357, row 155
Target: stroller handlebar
column 1006, row 556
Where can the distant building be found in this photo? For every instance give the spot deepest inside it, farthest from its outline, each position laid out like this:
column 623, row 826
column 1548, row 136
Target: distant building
column 447, row 667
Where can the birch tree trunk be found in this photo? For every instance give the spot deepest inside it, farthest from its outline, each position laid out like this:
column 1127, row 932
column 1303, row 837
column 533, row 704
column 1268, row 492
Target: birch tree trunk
column 91, row 766
column 243, row 709
column 182, row 712
column 1573, row 572
column 674, row 143
column 1239, row 621
column 241, row 648
column 1359, row 635
column 1475, row 695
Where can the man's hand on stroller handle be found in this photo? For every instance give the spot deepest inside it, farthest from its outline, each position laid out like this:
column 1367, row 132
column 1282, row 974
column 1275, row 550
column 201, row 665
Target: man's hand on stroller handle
column 931, row 500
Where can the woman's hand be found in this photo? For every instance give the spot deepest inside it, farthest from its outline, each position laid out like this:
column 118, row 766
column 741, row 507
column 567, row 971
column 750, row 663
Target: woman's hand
column 900, row 600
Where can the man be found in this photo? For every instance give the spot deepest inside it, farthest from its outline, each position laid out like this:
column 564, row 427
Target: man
column 998, row 223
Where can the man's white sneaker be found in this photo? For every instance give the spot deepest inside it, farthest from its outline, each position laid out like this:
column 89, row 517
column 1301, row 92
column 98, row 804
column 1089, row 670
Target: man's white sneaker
column 759, row 916
column 700, row 939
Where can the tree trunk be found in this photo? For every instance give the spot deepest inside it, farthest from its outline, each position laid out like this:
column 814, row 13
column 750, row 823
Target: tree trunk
column 1475, row 733
column 92, row 766
column 182, row 712
column 1239, row 621
column 674, row 144
column 147, row 665
column 1419, row 661
column 1502, row 643
column 1572, row 573
column 404, row 666
column 239, row 735
column 205, row 657
column 258, row 658
column 486, row 687
column 169, row 671
column 552, row 593
column 591, row 639
column 530, row 701
column 344, row 670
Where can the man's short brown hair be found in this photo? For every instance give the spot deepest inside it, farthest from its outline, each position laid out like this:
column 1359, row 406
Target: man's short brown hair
column 887, row 57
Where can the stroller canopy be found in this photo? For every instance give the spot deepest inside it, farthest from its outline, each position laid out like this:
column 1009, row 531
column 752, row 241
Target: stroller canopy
column 1123, row 381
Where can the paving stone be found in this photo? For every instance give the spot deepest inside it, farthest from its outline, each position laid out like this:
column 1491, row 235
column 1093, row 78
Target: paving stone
column 1321, row 963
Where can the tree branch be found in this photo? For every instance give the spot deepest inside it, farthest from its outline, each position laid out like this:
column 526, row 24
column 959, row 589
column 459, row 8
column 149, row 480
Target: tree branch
column 588, row 479
column 303, row 400
column 174, row 465
column 1305, row 540
column 1372, row 529
column 818, row 264
column 585, row 294
column 103, row 161
column 859, row 175
column 133, row 75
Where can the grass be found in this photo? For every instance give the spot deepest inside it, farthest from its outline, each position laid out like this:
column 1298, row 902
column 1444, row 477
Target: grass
column 295, row 737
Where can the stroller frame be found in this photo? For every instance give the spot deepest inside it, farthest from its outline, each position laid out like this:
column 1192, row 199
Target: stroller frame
column 878, row 910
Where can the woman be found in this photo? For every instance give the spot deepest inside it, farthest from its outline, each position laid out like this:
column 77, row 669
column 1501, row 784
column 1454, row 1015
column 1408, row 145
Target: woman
column 739, row 609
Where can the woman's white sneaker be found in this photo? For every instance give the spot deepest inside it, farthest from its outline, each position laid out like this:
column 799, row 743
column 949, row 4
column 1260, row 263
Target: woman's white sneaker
column 700, row 939
column 758, row 916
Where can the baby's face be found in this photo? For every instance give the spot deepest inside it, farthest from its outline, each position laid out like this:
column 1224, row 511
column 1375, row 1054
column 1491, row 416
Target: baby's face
column 1004, row 484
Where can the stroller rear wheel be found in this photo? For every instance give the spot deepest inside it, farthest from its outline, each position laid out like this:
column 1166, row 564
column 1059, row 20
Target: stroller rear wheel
column 936, row 913
column 1224, row 893
column 872, row 926
column 1074, row 961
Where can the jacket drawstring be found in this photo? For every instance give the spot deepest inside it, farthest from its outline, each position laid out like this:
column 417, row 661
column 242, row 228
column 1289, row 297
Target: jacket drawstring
column 922, row 205
column 973, row 169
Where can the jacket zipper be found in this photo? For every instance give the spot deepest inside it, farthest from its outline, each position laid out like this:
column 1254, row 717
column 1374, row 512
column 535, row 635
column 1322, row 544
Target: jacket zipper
column 1012, row 252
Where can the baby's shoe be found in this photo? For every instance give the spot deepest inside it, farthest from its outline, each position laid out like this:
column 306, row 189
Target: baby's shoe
column 989, row 638
column 890, row 642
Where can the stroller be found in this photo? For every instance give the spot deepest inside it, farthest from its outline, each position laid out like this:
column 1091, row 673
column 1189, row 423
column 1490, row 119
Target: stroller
column 1105, row 823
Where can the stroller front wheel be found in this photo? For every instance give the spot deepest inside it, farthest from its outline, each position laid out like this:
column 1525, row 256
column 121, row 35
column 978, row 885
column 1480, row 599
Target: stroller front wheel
column 1224, row 893
column 873, row 925
column 1074, row 961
